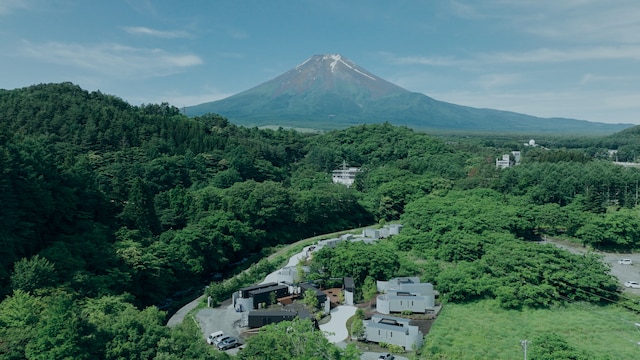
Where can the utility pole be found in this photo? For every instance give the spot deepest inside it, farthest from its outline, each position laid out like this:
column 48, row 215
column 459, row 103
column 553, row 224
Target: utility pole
column 524, row 344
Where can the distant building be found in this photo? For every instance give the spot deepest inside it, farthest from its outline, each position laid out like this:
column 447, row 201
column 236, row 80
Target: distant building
column 368, row 236
column 345, row 175
column 516, row 156
column 505, row 162
column 508, row 160
column 290, row 274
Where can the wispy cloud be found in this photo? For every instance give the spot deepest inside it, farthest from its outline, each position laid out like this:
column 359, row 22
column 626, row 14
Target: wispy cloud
column 141, row 30
column 8, row 6
column 420, row 60
column 493, row 81
column 544, row 55
column 609, row 107
column 467, row 11
column 113, row 59
column 177, row 99
column 575, row 21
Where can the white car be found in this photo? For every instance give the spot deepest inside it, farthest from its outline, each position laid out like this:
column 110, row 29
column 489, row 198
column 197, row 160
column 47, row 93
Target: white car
column 632, row 284
column 214, row 336
column 625, row 262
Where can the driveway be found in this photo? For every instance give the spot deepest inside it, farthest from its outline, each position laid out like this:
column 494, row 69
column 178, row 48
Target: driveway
column 336, row 328
column 222, row 318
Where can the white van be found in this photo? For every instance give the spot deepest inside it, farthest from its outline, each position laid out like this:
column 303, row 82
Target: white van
column 625, row 262
column 211, row 339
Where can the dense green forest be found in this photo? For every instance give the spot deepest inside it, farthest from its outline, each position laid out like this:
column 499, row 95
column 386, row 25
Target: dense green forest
column 109, row 209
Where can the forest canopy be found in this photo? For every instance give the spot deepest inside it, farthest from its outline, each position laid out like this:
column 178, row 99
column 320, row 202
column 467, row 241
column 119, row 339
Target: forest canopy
column 110, row 211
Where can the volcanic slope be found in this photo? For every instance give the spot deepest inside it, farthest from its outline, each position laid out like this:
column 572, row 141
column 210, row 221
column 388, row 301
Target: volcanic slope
column 331, row 92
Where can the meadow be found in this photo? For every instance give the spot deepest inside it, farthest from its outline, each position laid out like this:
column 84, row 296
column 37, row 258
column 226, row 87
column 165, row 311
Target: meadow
column 483, row 330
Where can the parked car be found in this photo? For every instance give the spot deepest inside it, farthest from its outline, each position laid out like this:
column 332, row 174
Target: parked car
column 214, row 336
column 386, row 357
column 220, row 339
column 625, row 262
column 632, row 284
column 229, row 343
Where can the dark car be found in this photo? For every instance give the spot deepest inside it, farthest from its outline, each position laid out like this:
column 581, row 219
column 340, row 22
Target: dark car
column 386, row 357
column 230, row 343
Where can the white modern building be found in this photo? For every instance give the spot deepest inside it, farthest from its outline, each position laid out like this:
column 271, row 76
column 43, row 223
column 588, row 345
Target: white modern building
column 345, row 175
column 405, row 294
column 393, row 330
column 367, row 236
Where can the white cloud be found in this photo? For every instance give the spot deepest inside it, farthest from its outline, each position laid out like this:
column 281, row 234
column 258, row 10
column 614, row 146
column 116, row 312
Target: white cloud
column 141, row 30
column 112, row 59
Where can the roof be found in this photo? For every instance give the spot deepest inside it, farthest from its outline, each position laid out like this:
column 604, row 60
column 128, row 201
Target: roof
column 259, row 286
column 269, row 289
column 349, row 284
column 378, row 318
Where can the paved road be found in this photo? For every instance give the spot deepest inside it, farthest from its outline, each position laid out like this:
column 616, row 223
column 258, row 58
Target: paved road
column 177, row 318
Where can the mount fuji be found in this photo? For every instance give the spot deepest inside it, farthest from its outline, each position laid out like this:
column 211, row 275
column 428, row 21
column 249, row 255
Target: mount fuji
column 331, row 92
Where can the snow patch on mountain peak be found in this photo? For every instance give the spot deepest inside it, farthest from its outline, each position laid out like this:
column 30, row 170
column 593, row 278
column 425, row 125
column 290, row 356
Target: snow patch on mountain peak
column 335, row 59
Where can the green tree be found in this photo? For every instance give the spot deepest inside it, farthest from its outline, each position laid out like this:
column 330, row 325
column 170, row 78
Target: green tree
column 310, row 299
column 296, row 340
column 553, row 346
column 19, row 317
column 357, row 329
column 139, row 211
column 369, row 289
column 33, row 274
column 61, row 332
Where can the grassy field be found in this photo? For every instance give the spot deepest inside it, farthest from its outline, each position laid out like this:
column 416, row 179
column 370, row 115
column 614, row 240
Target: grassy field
column 482, row 330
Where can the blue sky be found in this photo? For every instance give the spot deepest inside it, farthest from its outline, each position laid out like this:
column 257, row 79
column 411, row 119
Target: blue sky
column 569, row 58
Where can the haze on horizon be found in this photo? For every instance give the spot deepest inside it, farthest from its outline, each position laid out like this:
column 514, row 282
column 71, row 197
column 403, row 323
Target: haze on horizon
column 574, row 59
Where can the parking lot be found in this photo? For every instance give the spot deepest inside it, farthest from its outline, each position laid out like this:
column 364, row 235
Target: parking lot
column 620, row 271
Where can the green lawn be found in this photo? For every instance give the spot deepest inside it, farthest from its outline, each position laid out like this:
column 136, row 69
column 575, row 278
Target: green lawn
column 482, row 330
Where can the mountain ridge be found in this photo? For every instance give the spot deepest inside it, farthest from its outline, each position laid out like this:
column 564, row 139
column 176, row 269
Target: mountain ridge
column 331, row 92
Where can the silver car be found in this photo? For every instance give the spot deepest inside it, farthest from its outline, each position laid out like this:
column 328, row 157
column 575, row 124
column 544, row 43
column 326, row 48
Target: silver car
column 229, row 343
